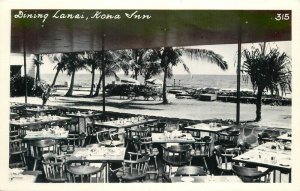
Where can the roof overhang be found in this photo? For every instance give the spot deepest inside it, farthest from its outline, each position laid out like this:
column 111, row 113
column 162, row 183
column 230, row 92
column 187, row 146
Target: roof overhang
column 164, row 28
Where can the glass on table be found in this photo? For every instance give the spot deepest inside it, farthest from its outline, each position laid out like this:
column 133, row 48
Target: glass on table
column 273, row 159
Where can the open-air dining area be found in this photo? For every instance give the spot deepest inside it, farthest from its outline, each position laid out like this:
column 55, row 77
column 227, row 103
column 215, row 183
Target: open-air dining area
column 150, row 96
column 120, row 147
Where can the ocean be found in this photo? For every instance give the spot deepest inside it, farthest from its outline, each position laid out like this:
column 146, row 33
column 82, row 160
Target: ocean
column 186, row 80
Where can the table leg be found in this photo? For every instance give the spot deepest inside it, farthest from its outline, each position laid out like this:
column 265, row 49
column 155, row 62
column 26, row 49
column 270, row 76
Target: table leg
column 84, row 124
column 212, row 145
column 106, row 180
column 290, row 177
column 274, row 176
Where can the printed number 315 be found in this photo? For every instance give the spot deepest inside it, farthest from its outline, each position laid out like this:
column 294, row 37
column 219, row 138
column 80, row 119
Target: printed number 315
column 281, row 16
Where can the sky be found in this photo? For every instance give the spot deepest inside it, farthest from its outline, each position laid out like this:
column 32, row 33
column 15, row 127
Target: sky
column 228, row 51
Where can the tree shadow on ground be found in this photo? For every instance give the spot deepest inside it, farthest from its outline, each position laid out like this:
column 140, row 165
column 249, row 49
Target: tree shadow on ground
column 121, row 105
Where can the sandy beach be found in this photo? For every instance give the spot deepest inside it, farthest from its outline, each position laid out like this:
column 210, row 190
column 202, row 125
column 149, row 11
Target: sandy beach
column 272, row 116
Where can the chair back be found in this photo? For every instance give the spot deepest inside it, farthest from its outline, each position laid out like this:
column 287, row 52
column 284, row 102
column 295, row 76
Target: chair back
column 41, row 147
column 135, row 168
column 73, row 125
column 266, row 136
column 143, row 145
column 84, row 173
column 73, row 141
column 131, row 133
column 139, row 132
column 190, row 171
column 16, row 132
column 118, row 137
column 16, row 146
column 233, row 135
column 201, row 147
column 224, row 157
column 54, row 167
column 103, row 136
column 158, row 128
column 110, row 138
column 218, row 151
column 177, row 155
column 249, row 174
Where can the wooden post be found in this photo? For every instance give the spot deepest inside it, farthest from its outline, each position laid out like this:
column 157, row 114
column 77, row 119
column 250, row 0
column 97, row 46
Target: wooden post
column 103, row 73
column 238, row 87
column 25, row 73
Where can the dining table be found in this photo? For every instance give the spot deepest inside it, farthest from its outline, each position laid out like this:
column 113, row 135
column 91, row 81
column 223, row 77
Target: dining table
column 162, row 138
column 16, row 107
column 37, row 111
column 97, row 153
column 23, row 176
column 38, row 120
column 206, row 179
column 211, row 128
column 52, row 133
column 269, row 155
column 122, row 124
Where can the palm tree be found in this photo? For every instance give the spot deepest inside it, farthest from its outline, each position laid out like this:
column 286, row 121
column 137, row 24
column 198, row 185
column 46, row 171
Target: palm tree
column 170, row 57
column 60, row 66
column 150, row 69
column 268, row 71
column 74, row 62
column 37, row 60
column 113, row 64
column 93, row 60
column 140, row 62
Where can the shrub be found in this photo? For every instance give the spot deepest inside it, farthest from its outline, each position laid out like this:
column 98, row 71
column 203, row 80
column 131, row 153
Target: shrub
column 125, row 89
column 17, row 87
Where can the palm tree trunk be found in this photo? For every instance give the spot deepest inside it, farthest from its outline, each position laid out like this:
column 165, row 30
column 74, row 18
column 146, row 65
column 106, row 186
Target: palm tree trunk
column 165, row 100
column 46, row 94
column 55, row 77
column 135, row 73
column 37, row 76
column 258, row 104
column 92, row 83
column 70, row 91
column 98, row 85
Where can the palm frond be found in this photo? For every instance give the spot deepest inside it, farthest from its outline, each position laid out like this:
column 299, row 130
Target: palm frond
column 207, row 55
